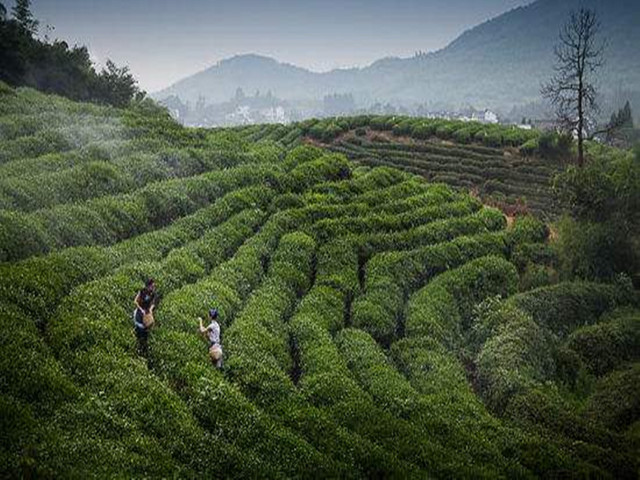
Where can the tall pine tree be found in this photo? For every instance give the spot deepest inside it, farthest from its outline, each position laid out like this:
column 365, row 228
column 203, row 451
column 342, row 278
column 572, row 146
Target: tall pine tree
column 24, row 17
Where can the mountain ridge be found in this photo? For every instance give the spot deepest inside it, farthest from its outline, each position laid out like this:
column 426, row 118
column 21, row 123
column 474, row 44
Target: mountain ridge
column 499, row 64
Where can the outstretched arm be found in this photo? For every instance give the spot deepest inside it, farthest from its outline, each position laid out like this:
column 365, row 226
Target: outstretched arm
column 202, row 328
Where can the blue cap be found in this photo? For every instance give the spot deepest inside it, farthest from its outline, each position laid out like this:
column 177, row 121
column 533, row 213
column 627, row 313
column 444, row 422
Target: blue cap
column 213, row 313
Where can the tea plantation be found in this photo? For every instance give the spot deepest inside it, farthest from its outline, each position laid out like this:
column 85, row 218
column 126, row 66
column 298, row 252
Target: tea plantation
column 502, row 165
column 375, row 323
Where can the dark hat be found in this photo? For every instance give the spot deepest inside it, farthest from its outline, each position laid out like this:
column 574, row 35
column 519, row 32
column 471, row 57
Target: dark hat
column 213, row 313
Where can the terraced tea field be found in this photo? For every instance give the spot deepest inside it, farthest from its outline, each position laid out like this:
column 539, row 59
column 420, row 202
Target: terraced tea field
column 500, row 178
column 491, row 167
column 375, row 323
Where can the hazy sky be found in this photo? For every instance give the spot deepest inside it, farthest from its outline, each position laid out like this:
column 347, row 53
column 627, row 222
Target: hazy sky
column 163, row 41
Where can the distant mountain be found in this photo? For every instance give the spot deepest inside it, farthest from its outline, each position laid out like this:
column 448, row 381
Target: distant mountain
column 499, row 64
column 248, row 72
column 504, row 60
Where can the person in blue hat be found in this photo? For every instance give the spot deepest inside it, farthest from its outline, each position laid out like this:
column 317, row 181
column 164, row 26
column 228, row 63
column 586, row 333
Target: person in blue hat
column 212, row 334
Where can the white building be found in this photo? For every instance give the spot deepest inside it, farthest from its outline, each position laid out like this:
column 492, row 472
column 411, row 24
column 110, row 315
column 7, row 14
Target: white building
column 490, row 117
column 241, row 116
column 275, row 115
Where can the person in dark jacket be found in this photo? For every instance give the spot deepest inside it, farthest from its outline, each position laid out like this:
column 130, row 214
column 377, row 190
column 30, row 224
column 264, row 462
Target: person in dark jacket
column 143, row 315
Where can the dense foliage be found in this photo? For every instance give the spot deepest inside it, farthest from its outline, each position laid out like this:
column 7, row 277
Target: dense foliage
column 375, row 324
column 602, row 236
column 56, row 67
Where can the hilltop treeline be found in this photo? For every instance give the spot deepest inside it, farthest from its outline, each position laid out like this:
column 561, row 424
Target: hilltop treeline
column 56, row 67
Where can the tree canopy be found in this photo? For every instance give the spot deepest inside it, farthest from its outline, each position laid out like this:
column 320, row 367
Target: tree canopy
column 22, row 14
column 603, row 237
column 56, row 67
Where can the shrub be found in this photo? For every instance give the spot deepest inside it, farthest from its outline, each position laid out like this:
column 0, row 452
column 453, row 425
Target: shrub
column 529, row 148
column 564, row 307
column 517, row 356
column 603, row 199
column 442, row 310
column 615, row 402
column 535, row 276
column 608, row 344
column 528, row 229
column 540, row 254
column 555, row 146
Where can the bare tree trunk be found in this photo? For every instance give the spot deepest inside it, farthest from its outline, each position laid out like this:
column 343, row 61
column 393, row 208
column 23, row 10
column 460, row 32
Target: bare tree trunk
column 571, row 90
column 580, row 120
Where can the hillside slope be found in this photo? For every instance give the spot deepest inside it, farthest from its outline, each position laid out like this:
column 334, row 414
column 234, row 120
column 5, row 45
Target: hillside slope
column 498, row 64
column 348, row 298
column 504, row 61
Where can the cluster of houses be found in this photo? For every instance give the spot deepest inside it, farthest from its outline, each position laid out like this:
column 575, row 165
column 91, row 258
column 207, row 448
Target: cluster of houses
column 245, row 115
column 471, row 115
column 246, row 110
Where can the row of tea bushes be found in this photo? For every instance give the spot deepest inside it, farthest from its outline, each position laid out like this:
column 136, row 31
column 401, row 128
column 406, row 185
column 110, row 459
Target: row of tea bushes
column 509, row 179
column 258, row 347
column 76, row 438
column 391, row 276
column 438, row 322
column 109, row 219
column 95, row 178
column 493, row 136
column 325, row 381
column 228, row 411
column 392, row 222
column 24, row 285
column 91, row 334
